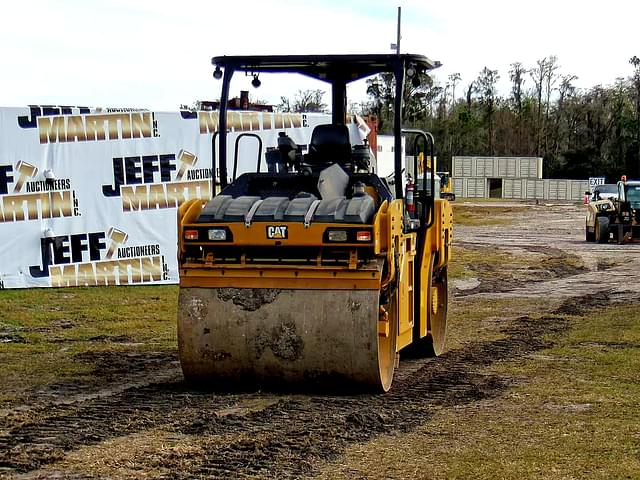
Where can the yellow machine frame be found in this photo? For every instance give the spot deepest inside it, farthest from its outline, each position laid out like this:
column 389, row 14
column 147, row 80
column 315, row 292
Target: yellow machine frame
column 389, row 242
column 303, row 308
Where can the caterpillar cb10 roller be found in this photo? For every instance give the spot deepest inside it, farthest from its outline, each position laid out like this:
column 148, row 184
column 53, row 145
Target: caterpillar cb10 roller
column 315, row 272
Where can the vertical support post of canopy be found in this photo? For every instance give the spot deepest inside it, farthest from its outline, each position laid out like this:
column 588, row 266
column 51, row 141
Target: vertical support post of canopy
column 397, row 126
column 338, row 102
column 222, row 124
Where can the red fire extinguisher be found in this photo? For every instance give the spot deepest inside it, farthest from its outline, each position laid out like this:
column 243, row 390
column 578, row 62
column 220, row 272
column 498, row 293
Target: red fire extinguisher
column 409, row 199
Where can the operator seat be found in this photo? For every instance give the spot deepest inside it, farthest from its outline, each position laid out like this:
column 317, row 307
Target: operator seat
column 329, row 144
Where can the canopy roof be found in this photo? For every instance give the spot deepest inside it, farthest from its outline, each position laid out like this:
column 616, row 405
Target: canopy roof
column 347, row 68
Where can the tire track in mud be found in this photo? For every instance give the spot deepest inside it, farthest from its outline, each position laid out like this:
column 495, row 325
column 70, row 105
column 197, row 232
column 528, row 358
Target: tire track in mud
column 320, row 428
column 553, row 264
column 63, row 427
column 285, row 439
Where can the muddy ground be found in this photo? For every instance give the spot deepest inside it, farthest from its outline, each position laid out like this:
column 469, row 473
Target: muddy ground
column 143, row 422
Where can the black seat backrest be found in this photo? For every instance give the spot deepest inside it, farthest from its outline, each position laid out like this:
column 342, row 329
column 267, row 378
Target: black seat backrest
column 329, row 144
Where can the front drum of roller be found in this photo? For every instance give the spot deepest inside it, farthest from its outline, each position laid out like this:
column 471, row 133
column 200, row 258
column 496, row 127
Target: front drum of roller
column 280, row 338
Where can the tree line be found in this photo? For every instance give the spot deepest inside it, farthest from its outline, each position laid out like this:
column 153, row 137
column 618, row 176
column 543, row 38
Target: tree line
column 578, row 132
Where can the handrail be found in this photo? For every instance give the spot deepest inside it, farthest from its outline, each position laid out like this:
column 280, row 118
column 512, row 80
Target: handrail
column 429, row 152
column 236, row 148
column 213, row 163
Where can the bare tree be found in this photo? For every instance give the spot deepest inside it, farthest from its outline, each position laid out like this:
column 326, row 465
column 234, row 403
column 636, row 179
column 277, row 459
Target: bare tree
column 566, row 90
column 309, row 101
column 284, row 105
column 550, row 80
column 304, row 101
column 486, row 89
column 543, row 76
column 470, row 90
column 454, row 78
column 537, row 75
column 516, row 76
column 517, row 86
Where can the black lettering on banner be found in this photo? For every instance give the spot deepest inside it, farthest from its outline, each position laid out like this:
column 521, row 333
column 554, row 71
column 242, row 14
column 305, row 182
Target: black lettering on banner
column 165, row 269
column 48, row 185
column 132, row 170
column 45, row 254
column 118, row 178
column 166, row 167
column 139, row 170
column 96, row 245
column 62, row 250
column 65, row 249
column 199, row 174
column 149, row 166
column 36, row 111
column 139, row 251
column 5, row 178
column 78, row 245
column 76, row 206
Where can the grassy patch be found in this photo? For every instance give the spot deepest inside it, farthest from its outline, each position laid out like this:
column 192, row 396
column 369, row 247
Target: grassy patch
column 473, row 215
column 473, row 262
column 576, row 416
column 45, row 332
column 503, row 267
column 473, row 319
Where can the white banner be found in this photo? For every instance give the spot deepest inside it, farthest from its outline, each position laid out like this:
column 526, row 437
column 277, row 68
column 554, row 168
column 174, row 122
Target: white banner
column 89, row 196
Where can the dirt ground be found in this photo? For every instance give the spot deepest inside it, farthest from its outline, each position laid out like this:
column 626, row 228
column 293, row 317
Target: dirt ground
column 143, row 422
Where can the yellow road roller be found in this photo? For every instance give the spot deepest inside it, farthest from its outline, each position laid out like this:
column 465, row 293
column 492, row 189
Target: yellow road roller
column 315, row 272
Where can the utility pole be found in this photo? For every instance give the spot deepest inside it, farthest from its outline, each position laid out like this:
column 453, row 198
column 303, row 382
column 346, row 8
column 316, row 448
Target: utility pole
column 399, row 37
column 396, row 46
column 635, row 61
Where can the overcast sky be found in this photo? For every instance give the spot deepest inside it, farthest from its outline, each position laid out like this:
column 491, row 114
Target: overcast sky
column 156, row 53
